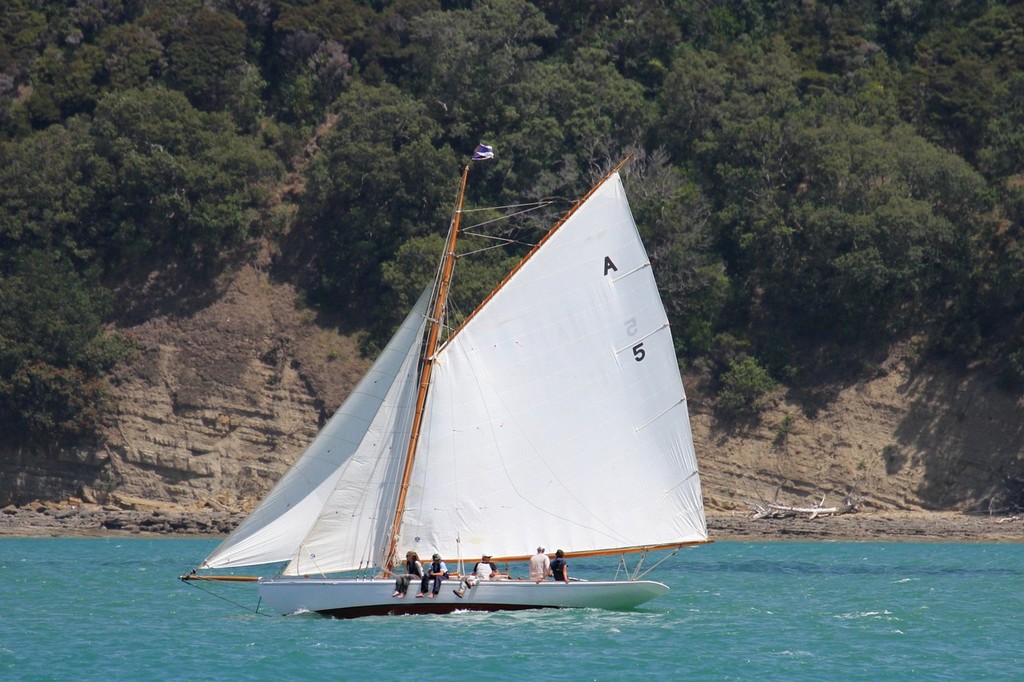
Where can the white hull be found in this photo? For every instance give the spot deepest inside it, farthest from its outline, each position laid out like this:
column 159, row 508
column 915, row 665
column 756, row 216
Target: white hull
column 348, row 598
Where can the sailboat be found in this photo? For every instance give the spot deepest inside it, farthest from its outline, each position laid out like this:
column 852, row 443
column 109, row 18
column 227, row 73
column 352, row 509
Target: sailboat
column 553, row 415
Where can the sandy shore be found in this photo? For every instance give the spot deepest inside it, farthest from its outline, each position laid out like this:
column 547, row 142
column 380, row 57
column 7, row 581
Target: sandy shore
column 898, row 526
column 41, row 520
column 86, row 520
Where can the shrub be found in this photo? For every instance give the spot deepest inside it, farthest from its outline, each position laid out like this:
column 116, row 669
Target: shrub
column 745, row 387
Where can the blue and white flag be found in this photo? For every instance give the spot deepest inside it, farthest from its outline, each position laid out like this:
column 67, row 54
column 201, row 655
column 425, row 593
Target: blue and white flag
column 482, row 152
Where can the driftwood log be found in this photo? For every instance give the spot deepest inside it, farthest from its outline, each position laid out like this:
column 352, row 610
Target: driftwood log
column 771, row 510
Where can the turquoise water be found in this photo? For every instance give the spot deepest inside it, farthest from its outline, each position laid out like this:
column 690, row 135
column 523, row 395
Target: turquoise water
column 113, row 609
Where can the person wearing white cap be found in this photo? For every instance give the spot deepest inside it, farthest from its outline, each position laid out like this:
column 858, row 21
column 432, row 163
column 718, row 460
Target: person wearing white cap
column 483, row 570
column 540, row 566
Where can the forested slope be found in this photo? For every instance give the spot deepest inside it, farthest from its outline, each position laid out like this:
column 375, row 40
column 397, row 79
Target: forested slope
column 831, row 194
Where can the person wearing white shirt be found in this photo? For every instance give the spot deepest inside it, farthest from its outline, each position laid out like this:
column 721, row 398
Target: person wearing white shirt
column 540, row 566
column 484, row 570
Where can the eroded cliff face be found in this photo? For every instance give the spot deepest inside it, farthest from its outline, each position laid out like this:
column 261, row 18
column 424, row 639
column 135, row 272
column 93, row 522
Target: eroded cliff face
column 931, row 439
column 224, row 396
column 219, row 402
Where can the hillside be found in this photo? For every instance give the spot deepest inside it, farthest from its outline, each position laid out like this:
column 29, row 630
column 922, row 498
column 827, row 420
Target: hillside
column 225, row 394
column 812, row 180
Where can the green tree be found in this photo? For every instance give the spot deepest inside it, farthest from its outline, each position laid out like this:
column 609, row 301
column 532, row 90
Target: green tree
column 837, row 229
column 989, row 314
column 745, row 388
column 960, row 76
column 49, row 183
column 64, row 83
column 315, row 45
column 206, row 58
column 469, row 60
column 877, row 248
column 22, row 35
column 53, row 350
column 694, row 89
column 716, row 24
column 639, row 37
column 134, row 56
column 564, row 125
column 184, row 179
column 382, row 177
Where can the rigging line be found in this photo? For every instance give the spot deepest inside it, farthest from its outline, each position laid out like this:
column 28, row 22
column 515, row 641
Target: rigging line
column 637, row 574
column 455, row 476
column 498, row 238
column 205, row 553
column 452, row 311
column 535, row 204
column 382, row 469
column 229, row 601
column 458, row 545
column 639, row 563
column 505, row 241
column 312, row 558
column 508, row 216
column 489, row 248
column 451, row 455
column 621, row 566
column 367, row 547
column 390, row 466
column 492, row 237
column 631, row 572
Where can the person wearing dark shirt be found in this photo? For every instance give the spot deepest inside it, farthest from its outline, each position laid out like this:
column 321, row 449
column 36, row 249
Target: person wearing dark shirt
column 435, row 574
column 560, row 567
column 413, row 569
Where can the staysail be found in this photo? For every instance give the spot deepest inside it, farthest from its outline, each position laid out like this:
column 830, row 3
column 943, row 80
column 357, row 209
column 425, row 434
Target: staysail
column 557, row 413
column 332, row 510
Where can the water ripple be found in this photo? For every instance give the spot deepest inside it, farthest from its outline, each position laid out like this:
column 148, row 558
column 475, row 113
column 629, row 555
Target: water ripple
column 101, row 609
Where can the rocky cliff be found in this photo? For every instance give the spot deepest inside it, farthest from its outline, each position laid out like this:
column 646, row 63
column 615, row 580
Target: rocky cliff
column 226, row 393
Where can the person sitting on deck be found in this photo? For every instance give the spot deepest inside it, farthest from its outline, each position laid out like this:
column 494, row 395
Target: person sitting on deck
column 483, row 570
column 413, row 569
column 436, row 573
column 560, row 567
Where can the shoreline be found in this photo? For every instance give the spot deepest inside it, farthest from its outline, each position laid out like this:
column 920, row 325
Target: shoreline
column 54, row 521
column 876, row 526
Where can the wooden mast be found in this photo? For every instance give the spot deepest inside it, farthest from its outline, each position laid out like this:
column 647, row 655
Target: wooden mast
column 436, row 319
